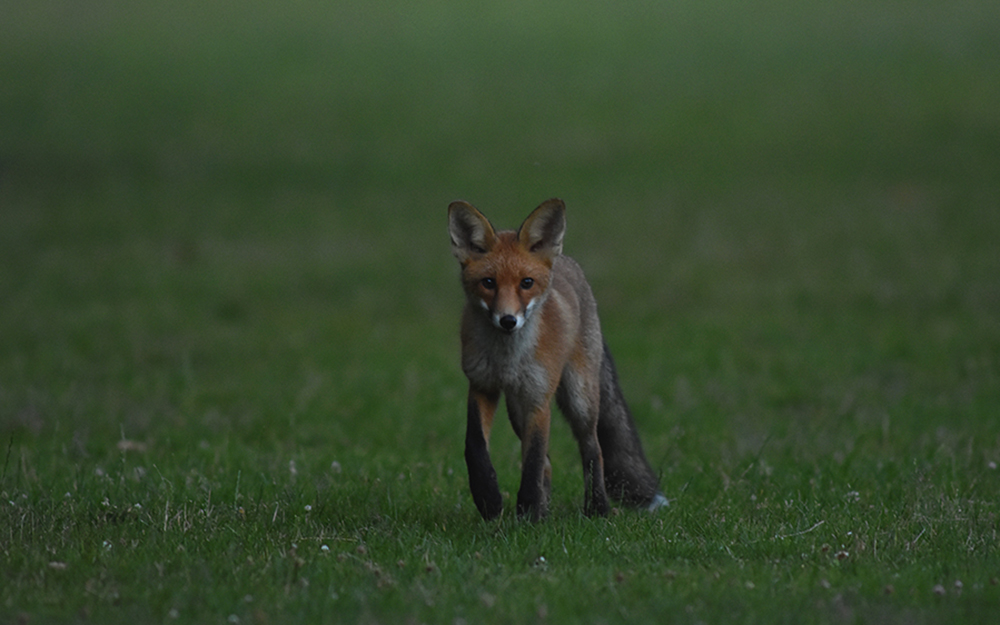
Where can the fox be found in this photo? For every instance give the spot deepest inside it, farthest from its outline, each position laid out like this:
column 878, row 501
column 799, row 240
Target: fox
column 530, row 332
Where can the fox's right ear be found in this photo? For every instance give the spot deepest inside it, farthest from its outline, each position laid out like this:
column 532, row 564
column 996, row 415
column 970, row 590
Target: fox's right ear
column 542, row 232
column 471, row 233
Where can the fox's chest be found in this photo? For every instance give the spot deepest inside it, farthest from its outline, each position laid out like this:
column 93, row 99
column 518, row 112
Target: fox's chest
column 505, row 363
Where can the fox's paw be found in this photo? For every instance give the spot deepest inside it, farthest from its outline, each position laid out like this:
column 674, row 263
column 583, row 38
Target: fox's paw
column 659, row 501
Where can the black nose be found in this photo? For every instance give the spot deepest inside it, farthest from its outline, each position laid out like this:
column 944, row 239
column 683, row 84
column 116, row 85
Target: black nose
column 508, row 322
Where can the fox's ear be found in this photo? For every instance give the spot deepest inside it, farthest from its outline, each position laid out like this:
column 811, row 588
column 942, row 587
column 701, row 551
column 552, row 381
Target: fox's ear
column 542, row 232
column 471, row 233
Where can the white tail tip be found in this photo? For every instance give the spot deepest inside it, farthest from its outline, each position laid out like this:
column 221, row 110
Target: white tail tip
column 659, row 501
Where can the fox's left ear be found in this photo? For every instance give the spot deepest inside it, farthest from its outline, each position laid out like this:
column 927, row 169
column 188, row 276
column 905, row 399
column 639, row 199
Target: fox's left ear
column 471, row 232
column 542, row 232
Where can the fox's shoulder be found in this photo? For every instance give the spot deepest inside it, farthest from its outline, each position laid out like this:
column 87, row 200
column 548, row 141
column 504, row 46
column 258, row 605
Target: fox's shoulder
column 570, row 281
column 565, row 268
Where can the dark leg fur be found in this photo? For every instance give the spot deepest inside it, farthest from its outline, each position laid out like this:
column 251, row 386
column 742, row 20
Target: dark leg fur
column 482, row 475
column 595, row 497
column 627, row 474
column 533, row 496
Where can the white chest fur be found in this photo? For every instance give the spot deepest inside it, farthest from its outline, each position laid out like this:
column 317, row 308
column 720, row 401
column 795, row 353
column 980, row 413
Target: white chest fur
column 499, row 361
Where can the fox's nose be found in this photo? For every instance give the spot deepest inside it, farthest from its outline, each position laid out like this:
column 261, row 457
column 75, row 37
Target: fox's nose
column 508, row 322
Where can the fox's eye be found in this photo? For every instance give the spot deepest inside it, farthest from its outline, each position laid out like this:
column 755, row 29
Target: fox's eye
column 527, row 283
column 489, row 284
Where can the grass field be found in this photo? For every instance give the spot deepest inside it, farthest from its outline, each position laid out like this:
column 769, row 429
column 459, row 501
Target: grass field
column 229, row 379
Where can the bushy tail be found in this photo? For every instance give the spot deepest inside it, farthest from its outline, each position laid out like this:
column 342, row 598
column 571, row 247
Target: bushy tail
column 627, row 474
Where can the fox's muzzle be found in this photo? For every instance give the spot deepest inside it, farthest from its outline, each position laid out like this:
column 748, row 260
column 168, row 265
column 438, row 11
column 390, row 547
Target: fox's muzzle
column 508, row 322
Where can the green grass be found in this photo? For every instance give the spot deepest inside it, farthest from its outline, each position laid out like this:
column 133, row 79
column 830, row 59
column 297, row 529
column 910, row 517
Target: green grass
column 229, row 378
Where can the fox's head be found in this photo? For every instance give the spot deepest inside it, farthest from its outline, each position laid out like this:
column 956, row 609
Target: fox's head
column 507, row 273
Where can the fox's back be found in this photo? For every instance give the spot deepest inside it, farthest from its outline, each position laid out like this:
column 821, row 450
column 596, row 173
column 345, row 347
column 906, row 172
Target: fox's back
column 577, row 300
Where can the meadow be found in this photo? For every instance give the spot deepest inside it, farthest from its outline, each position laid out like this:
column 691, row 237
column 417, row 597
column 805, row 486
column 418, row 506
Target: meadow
column 230, row 388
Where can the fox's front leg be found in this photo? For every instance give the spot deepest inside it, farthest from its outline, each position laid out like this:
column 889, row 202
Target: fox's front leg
column 536, row 470
column 482, row 475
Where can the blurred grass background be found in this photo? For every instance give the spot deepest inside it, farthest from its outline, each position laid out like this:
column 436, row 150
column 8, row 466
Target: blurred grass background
column 199, row 199
column 222, row 227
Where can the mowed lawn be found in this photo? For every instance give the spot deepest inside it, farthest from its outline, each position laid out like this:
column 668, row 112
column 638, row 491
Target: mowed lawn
column 230, row 388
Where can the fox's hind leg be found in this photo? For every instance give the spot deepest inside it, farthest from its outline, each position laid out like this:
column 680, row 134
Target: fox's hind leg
column 595, row 497
column 579, row 404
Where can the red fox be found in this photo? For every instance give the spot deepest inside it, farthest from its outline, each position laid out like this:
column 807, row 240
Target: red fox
column 530, row 331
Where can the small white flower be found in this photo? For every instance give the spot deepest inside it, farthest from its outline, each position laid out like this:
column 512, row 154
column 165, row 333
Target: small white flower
column 106, row 545
column 324, row 549
column 308, row 508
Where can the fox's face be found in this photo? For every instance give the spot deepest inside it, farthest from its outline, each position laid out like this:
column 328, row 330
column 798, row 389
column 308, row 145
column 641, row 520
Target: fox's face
column 507, row 282
column 507, row 273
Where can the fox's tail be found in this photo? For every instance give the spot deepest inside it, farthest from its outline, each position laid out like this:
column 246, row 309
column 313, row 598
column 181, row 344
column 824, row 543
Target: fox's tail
column 627, row 474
